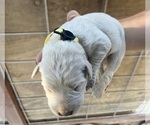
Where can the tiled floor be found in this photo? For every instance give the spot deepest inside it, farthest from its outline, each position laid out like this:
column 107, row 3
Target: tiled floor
column 27, row 24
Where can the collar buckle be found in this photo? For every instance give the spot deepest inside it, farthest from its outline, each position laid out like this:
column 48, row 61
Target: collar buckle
column 65, row 34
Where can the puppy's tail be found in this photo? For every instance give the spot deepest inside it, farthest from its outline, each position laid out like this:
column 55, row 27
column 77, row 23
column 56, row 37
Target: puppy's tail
column 35, row 71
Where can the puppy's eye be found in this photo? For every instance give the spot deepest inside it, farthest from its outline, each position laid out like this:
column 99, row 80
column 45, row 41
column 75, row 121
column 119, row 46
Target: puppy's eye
column 76, row 88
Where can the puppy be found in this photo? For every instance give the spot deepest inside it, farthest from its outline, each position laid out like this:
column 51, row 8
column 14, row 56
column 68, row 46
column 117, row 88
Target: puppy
column 72, row 60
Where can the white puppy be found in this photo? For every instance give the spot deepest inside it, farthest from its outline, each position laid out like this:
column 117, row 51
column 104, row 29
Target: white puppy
column 68, row 66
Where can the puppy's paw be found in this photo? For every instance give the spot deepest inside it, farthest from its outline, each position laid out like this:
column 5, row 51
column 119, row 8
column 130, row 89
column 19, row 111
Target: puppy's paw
column 98, row 90
column 90, row 84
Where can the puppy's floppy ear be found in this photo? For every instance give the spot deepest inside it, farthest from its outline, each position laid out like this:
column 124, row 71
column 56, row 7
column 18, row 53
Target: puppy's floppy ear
column 87, row 71
column 35, row 71
column 88, row 75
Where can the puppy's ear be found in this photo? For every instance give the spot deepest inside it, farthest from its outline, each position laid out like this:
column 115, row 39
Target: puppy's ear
column 87, row 71
column 35, row 71
column 72, row 14
column 88, row 75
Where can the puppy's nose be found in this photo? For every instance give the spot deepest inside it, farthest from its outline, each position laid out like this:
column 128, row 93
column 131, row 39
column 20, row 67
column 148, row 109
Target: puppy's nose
column 65, row 113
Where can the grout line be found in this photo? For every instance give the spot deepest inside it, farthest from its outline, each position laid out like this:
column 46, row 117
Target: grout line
column 126, row 76
column 46, row 16
column 105, row 6
column 135, row 56
column 36, row 110
column 18, row 34
column 28, row 82
column 31, row 98
column 16, row 94
column 123, row 95
column 132, row 90
column 20, row 61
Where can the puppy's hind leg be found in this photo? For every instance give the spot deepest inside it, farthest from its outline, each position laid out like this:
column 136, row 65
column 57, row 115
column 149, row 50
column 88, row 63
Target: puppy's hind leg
column 99, row 73
column 99, row 53
column 114, row 61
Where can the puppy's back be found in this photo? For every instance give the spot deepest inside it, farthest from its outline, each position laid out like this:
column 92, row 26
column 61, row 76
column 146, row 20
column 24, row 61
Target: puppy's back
column 88, row 25
column 110, row 26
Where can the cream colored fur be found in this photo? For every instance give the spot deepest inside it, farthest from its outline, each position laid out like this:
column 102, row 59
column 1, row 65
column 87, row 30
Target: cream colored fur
column 68, row 68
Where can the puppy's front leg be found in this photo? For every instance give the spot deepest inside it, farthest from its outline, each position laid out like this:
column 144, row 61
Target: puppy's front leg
column 114, row 61
column 99, row 52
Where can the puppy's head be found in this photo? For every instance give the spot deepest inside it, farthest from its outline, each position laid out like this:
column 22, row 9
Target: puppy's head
column 65, row 73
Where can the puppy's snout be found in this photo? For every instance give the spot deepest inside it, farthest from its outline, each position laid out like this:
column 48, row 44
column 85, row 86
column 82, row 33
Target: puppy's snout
column 65, row 113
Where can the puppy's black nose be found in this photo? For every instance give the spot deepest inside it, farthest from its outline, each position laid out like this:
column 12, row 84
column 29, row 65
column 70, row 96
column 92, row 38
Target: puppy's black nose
column 65, row 113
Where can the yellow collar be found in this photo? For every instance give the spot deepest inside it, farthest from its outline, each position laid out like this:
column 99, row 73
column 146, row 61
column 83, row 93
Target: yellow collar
column 63, row 33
